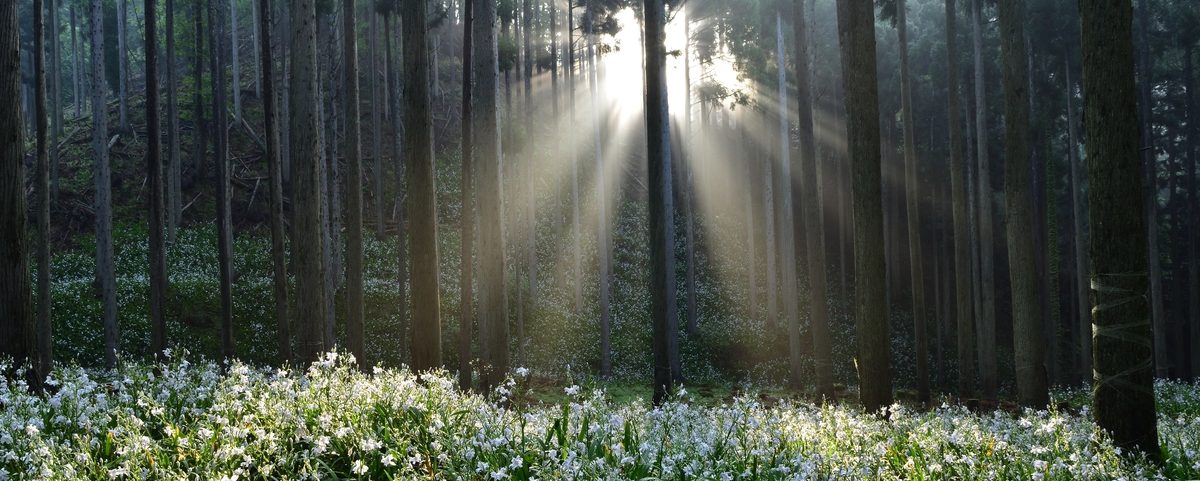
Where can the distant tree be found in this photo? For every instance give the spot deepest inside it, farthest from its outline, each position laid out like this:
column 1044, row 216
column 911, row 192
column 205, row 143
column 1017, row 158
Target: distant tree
column 987, row 310
column 1032, row 389
column 603, row 240
column 41, row 192
column 19, row 328
column 962, row 245
column 787, row 243
column 1078, row 199
column 156, row 204
column 234, row 61
column 174, row 172
column 913, row 206
column 279, row 282
column 1124, row 378
column 811, row 179
column 493, row 300
column 105, row 271
column 200, row 139
column 306, row 184
column 856, row 27
column 224, row 197
column 123, row 64
column 354, row 240
column 1150, row 187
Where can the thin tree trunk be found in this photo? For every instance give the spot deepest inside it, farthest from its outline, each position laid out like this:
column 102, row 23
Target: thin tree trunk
column 199, row 142
column 400, row 206
column 76, row 64
column 856, row 27
column 174, row 170
column 1123, row 394
column 377, row 107
column 604, row 245
column 1084, row 322
column 44, row 359
column 787, row 248
column 105, row 270
column 962, row 250
column 122, row 64
column 467, row 218
column 279, row 283
column 354, row 240
column 224, row 209
column 18, row 322
column 157, row 262
column 306, row 184
column 493, row 299
column 1193, row 209
column 576, row 230
column 987, row 311
column 236, row 82
column 1028, row 352
column 769, row 231
column 530, row 185
column 1150, row 189
column 913, row 203
column 256, row 33
column 689, row 195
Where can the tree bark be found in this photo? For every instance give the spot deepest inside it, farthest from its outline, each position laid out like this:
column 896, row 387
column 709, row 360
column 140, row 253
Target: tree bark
column 1084, row 322
column 856, row 27
column 377, row 108
column 1123, row 374
column 604, row 245
column 493, row 300
column 787, row 247
column 199, row 142
column 105, row 271
column 236, row 82
column 122, row 64
column 1193, row 208
column 18, row 322
column 1162, row 361
column 306, row 185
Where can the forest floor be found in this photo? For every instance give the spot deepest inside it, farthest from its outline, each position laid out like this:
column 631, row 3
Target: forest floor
column 195, row 419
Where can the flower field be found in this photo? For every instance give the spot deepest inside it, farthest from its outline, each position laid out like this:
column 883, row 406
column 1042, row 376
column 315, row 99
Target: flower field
column 196, row 421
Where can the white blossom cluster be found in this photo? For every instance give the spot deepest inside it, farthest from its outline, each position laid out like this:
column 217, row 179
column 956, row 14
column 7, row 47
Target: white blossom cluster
column 203, row 421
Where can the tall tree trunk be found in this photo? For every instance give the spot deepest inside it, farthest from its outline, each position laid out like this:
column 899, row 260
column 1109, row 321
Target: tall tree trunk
column 122, row 64
column 856, row 26
column 174, row 169
column 55, row 77
column 1192, row 208
column 689, row 195
column 354, row 239
column 18, row 322
column 913, row 203
column 306, row 183
column 279, row 283
column 377, row 107
column 493, row 300
column 76, row 64
column 1028, row 351
column 530, row 181
column 770, row 250
column 751, row 241
column 987, row 311
column 105, row 270
column 962, row 248
column 236, row 82
column 1084, row 322
column 576, row 230
column 393, row 91
column 662, row 226
column 199, row 142
column 1124, row 377
column 422, row 198
column 155, row 201
column 256, row 32
column 467, row 218
column 604, row 245
column 1150, row 188
column 44, row 359
column 787, row 247
column 221, row 157
column 814, row 228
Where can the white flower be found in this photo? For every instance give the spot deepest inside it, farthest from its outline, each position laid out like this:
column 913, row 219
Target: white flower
column 32, row 430
column 359, row 467
column 571, row 390
column 522, row 372
column 388, row 460
column 118, row 473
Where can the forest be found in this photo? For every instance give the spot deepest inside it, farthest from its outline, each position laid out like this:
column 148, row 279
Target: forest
column 599, row 240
